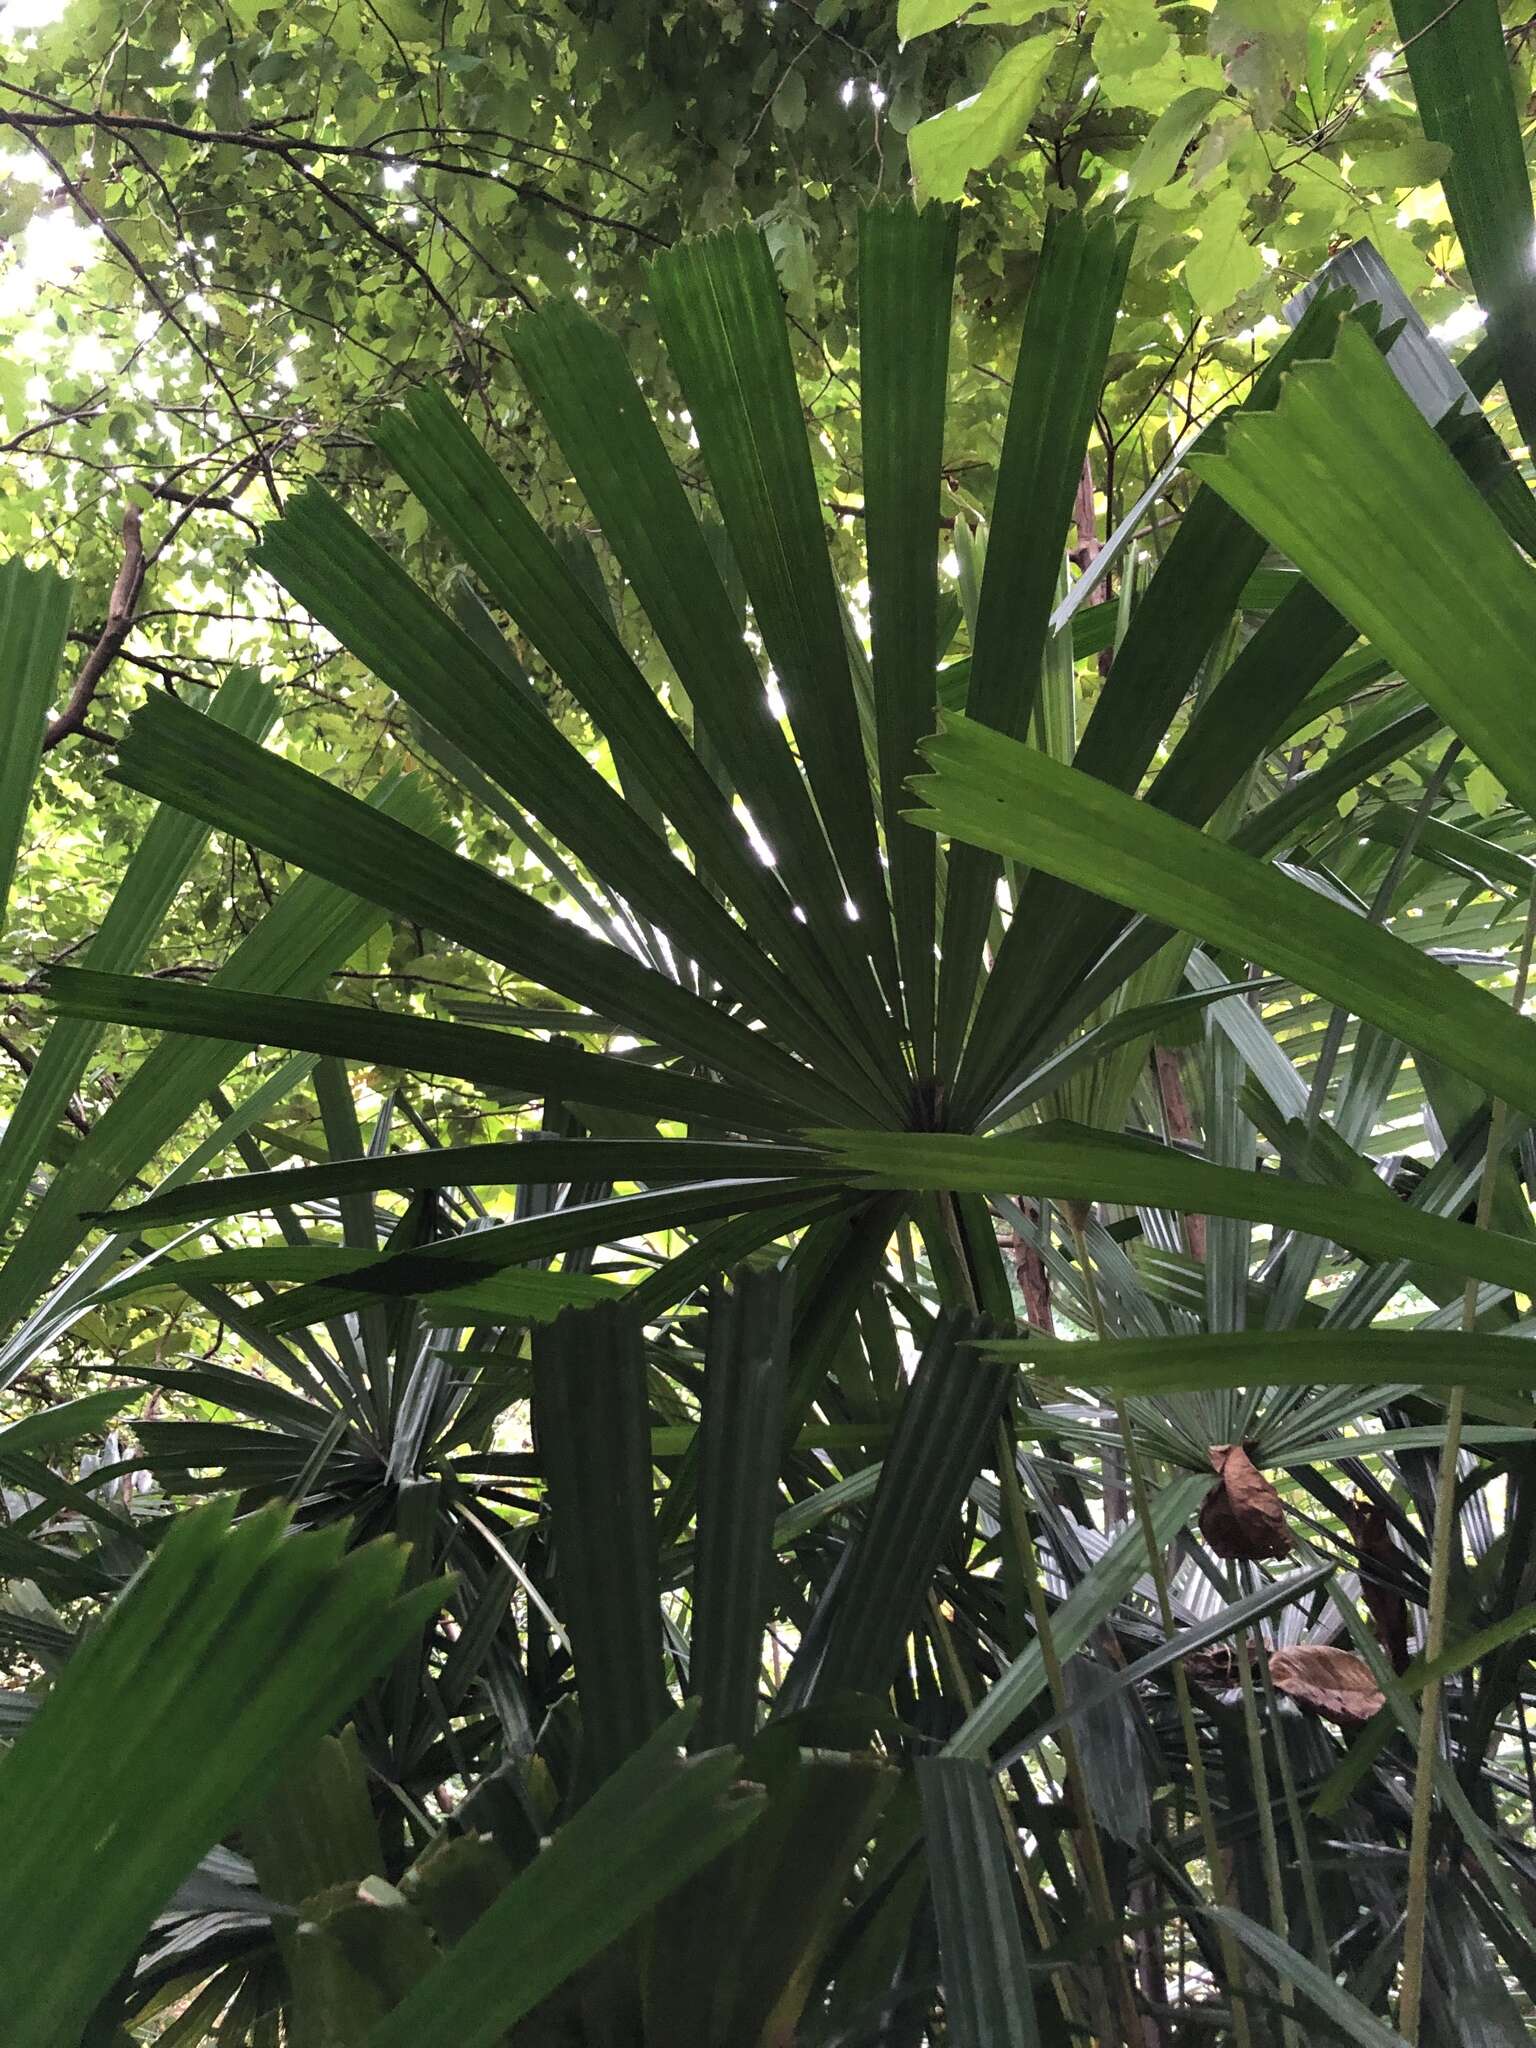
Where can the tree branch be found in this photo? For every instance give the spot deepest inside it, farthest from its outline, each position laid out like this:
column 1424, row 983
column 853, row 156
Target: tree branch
column 120, row 609
column 289, row 148
column 26, row 1062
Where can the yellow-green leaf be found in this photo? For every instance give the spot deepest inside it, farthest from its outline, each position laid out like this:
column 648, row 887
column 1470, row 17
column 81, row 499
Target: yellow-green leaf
column 1132, row 35
column 1171, row 134
column 920, row 17
column 969, row 137
column 1403, row 168
column 1225, row 262
column 1485, row 792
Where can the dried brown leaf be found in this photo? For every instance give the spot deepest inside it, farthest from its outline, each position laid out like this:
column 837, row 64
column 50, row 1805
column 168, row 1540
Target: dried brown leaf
column 1242, row 1515
column 1381, row 1566
column 1334, row 1683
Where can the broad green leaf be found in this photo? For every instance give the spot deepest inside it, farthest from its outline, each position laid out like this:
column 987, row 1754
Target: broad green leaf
column 1262, row 45
column 1069, row 1161
column 34, row 618
column 1405, row 165
column 1224, row 263
column 1068, row 329
column 947, row 147
column 1018, row 802
column 944, row 1430
column 921, row 17
column 1131, row 35
column 1341, row 476
column 1170, row 135
column 515, row 1065
column 1485, row 792
column 1283, row 1358
column 988, row 2002
column 523, row 1161
column 789, row 98
column 656, row 1821
column 1464, row 84
column 906, row 284
column 238, row 1647
column 14, row 403
column 741, row 1436
column 599, row 1486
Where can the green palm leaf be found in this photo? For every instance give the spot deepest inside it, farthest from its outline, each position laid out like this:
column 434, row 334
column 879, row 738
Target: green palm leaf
column 236, row 1646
